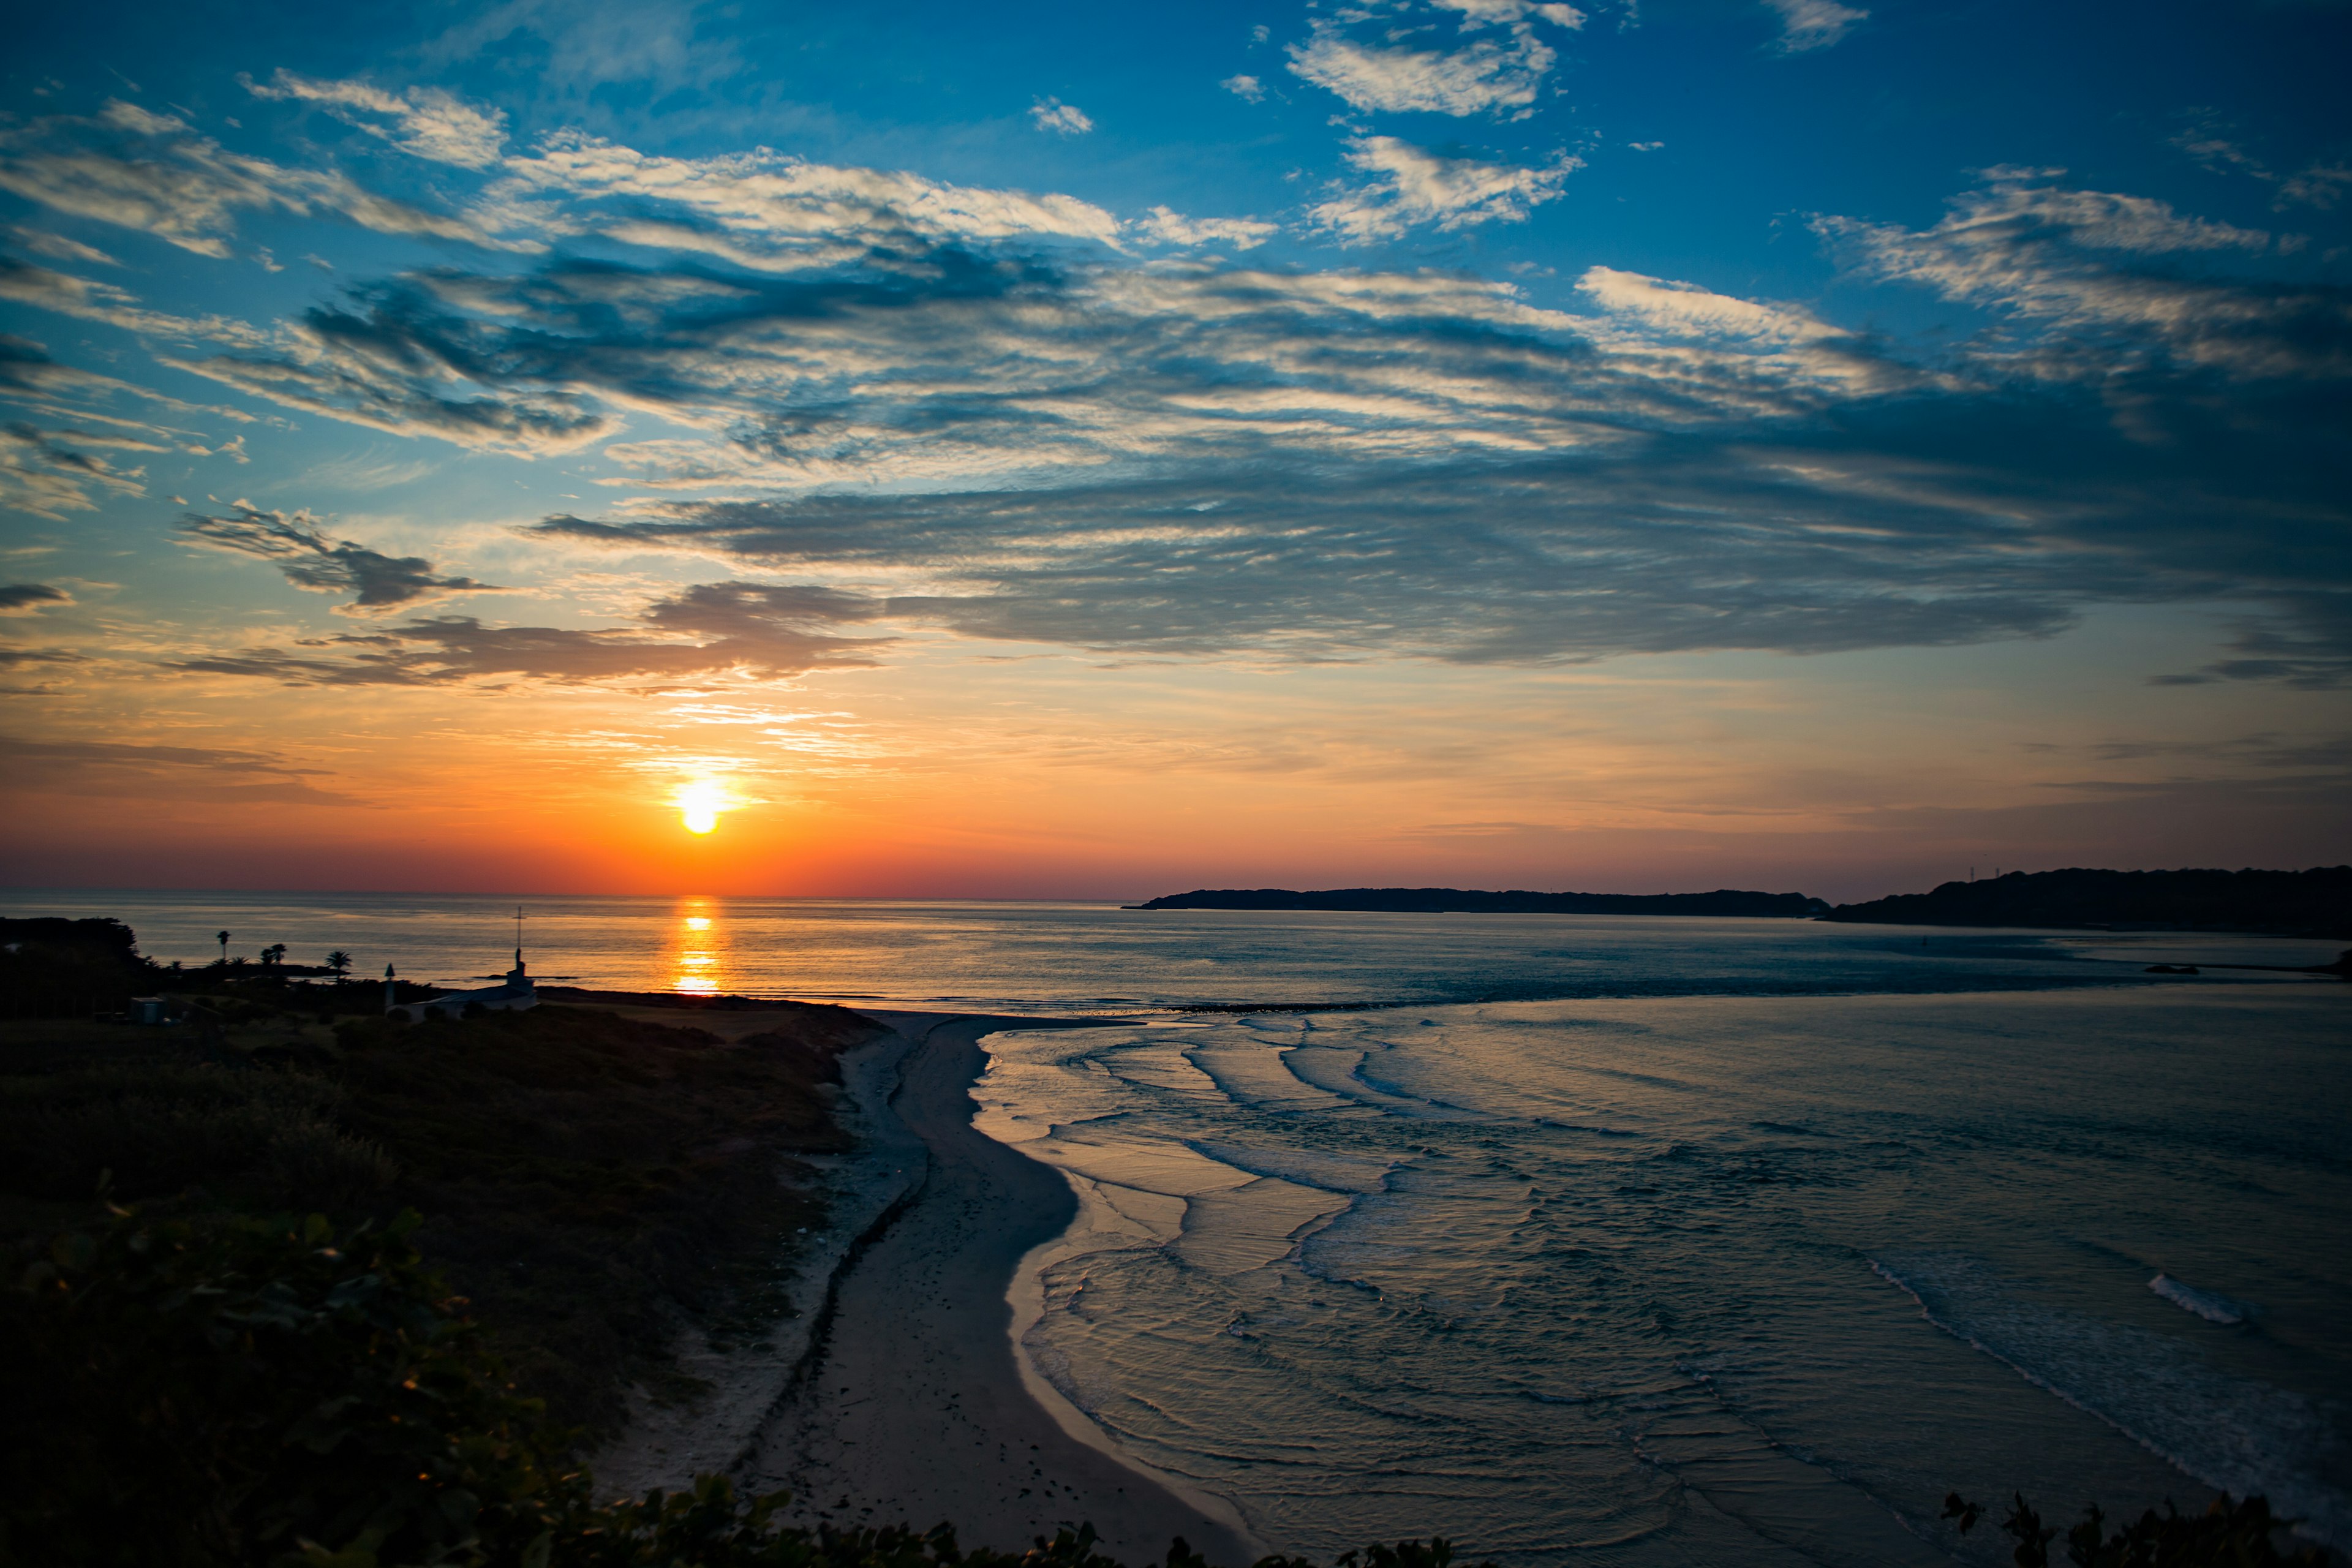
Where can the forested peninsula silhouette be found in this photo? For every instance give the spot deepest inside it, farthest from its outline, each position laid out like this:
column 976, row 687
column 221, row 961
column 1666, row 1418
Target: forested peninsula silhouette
column 2314, row 903
column 1458, row 900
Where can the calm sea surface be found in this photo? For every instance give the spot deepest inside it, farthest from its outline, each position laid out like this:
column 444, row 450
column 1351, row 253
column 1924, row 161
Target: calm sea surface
column 1651, row 1241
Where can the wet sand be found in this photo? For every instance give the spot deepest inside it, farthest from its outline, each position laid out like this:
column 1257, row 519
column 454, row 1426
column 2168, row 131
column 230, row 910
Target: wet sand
column 914, row 1411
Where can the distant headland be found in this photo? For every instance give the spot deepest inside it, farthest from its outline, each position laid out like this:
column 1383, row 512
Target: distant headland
column 1457, row 900
column 2316, row 903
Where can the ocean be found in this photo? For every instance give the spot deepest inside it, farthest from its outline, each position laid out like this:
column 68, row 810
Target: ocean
column 1643, row 1241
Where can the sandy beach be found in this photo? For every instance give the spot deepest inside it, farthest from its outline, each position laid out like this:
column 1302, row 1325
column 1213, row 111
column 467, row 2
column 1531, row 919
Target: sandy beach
column 913, row 1410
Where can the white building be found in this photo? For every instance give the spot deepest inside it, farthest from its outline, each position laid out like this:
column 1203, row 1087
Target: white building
column 510, row 995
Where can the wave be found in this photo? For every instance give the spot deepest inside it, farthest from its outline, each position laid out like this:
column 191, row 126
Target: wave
column 1349, row 1175
column 2235, row 1434
column 2210, row 1305
column 1339, row 1070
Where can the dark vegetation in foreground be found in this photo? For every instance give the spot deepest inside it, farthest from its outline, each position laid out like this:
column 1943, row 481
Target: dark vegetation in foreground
column 591, row 1179
column 2230, row 1534
column 243, row 1393
column 2314, row 903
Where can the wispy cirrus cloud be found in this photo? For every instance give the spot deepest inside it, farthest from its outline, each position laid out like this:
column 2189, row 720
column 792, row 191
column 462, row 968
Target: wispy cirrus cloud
column 1808, row 25
column 294, row 543
column 50, row 473
column 758, row 631
column 1171, row 227
column 60, row 247
column 68, row 295
column 2099, row 277
column 1002, row 367
column 2215, row 148
column 765, row 210
column 105, row 768
column 152, row 173
column 31, row 598
column 1412, row 185
column 1807, row 543
column 428, row 121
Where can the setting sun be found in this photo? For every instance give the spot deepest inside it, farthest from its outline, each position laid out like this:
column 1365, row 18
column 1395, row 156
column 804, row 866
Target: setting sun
column 699, row 804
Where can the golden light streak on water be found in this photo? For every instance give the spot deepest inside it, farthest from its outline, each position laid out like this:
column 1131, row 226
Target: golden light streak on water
column 697, row 960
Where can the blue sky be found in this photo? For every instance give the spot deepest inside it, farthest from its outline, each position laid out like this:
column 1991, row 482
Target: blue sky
column 1604, row 443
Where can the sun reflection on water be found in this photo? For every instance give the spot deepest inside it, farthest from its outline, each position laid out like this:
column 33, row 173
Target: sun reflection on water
column 696, row 949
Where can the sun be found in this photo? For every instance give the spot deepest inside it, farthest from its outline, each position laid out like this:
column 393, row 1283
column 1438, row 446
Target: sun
column 699, row 803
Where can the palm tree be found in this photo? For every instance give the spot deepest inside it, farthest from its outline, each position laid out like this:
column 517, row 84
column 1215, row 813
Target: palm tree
column 273, row 955
column 338, row 963
column 222, row 938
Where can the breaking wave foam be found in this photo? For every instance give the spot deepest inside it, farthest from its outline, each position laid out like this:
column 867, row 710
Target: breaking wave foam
column 2235, row 1434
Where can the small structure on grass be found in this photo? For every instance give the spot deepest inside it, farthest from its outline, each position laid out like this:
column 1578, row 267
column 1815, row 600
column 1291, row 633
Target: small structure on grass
column 511, row 994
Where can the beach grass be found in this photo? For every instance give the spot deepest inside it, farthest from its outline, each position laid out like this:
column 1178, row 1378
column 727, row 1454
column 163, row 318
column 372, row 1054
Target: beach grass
column 592, row 1180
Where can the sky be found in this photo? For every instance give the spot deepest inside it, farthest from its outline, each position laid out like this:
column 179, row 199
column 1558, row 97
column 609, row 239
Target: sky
column 1064, row 451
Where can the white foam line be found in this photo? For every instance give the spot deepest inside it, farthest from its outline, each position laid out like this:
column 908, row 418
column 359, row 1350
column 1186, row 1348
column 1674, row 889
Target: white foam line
column 1979, row 1346
column 2206, row 1304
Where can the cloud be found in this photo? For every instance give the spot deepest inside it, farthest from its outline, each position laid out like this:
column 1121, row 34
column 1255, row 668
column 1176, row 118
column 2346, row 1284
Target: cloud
column 966, row 366
column 17, row 657
column 1062, row 119
column 1246, row 87
column 971, row 408
column 425, row 121
column 138, row 170
column 573, row 57
column 50, row 473
column 2320, row 185
column 759, row 631
column 1416, row 186
column 2304, row 638
column 1472, row 79
column 762, row 209
column 57, row 247
column 2100, row 279
column 328, row 370
column 1533, row 562
column 1663, row 323
column 30, row 598
column 2317, row 184
column 1686, row 307
column 1807, row 25
column 1169, row 227
column 105, row 768
column 94, row 302
column 1478, row 13
column 1899, row 529
column 310, row 559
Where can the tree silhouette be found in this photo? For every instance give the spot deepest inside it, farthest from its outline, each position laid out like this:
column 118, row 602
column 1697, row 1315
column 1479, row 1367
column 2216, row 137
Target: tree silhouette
column 338, row 963
column 273, row 955
column 222, row 938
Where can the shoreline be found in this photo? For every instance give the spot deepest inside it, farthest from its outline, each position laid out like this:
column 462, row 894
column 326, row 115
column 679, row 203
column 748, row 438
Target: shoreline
column 666, row 1445
column 918, row 1405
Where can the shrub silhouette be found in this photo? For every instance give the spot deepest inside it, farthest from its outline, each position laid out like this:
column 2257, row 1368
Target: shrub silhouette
column 2230, row 1534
